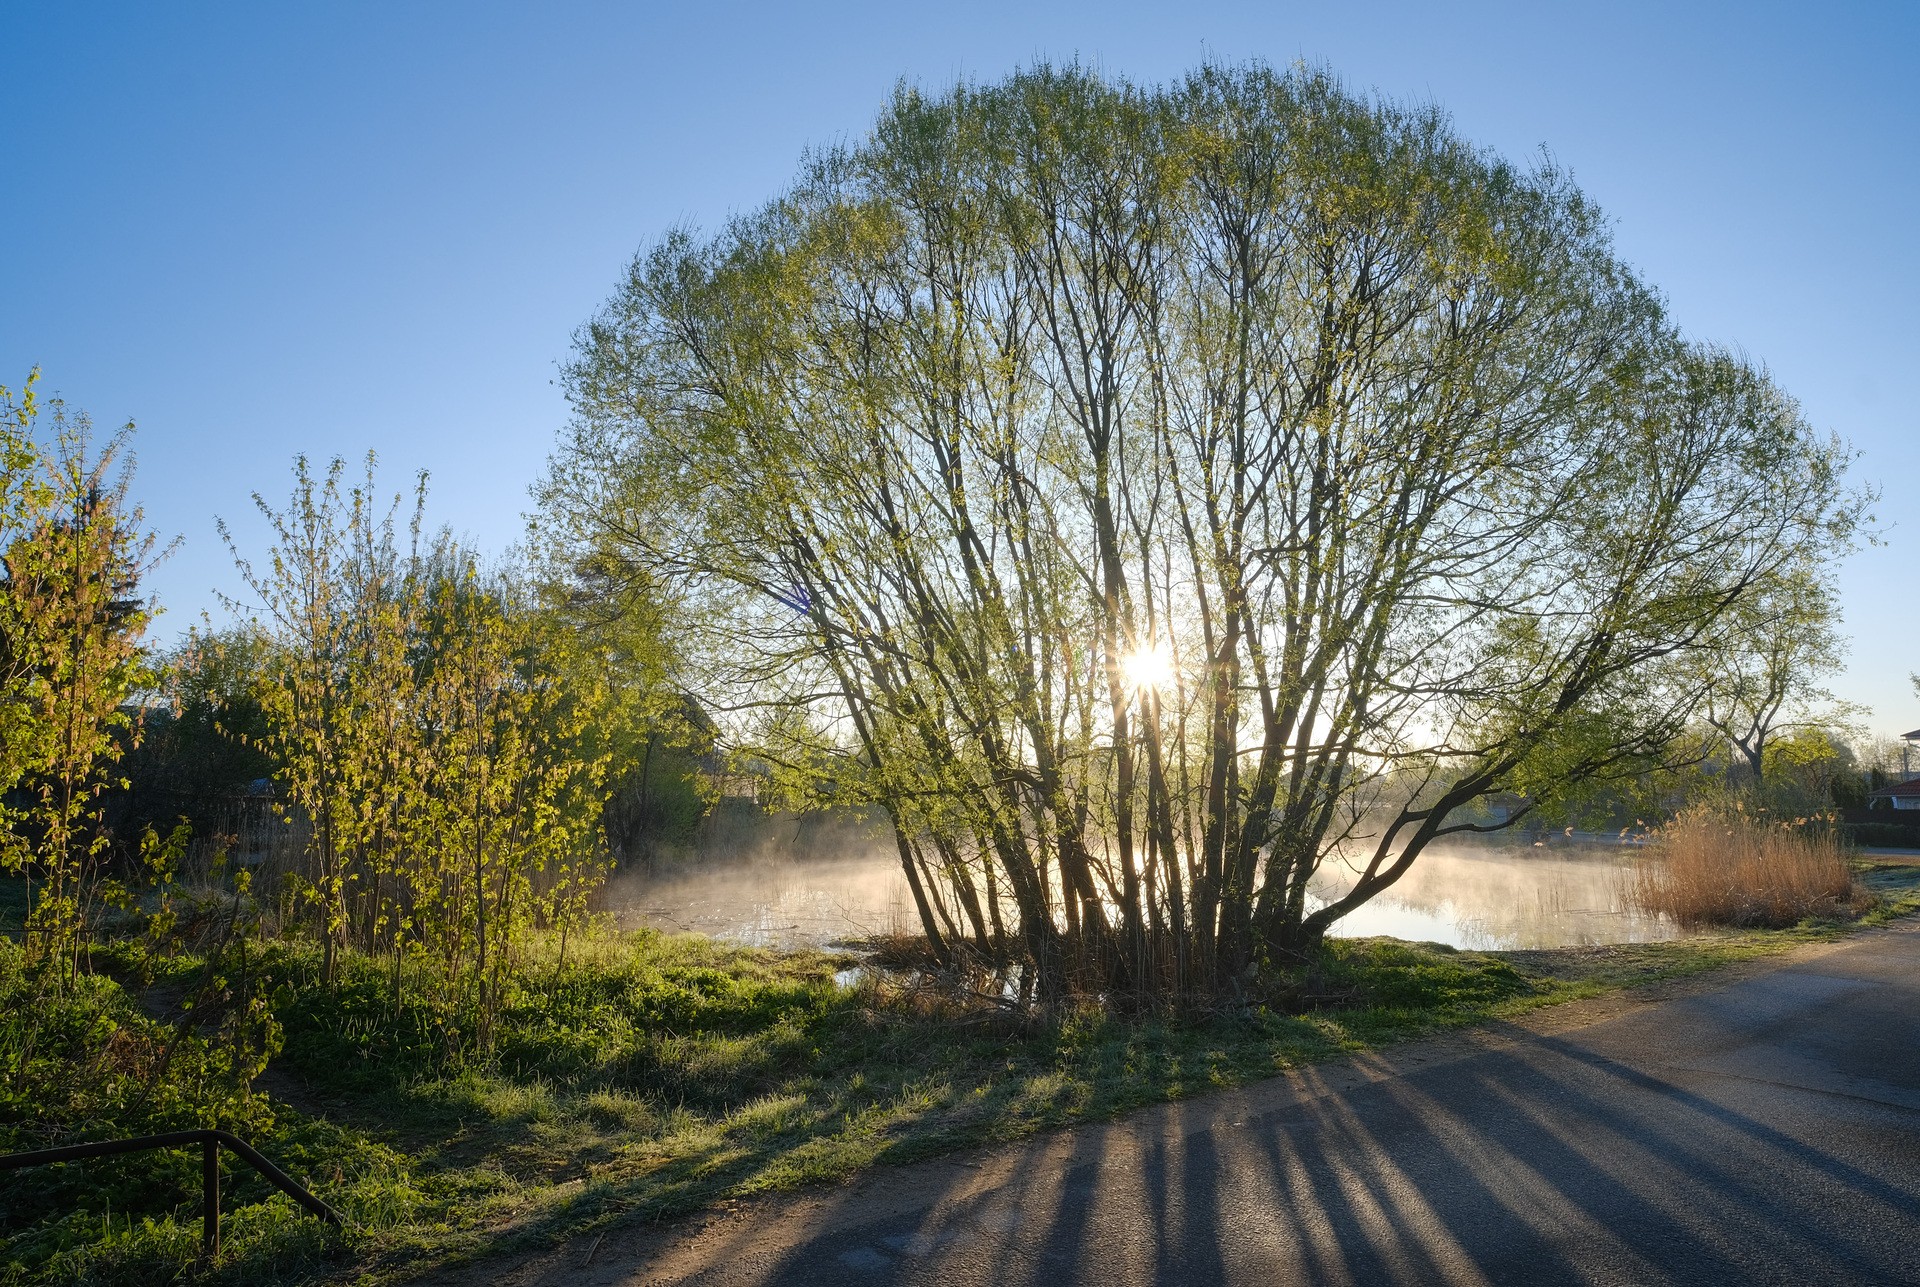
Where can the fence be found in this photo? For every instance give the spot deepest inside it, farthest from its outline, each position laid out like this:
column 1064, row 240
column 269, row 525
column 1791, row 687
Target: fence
column 210, row 1142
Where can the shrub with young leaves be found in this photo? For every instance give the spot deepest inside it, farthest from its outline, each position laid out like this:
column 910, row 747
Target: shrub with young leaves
column 436, row 732
column 74, row 549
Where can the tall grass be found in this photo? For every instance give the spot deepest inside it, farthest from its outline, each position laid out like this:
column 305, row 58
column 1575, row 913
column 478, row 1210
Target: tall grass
column 1711, row 867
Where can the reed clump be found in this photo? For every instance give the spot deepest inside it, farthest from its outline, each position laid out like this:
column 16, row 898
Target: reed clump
column 1714, row 867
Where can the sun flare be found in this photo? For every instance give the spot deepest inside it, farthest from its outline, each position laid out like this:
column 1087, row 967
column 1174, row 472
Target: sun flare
column 1150, row 666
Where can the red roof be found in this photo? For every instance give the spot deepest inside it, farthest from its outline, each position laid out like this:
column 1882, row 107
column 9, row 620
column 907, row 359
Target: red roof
column 1903, row 790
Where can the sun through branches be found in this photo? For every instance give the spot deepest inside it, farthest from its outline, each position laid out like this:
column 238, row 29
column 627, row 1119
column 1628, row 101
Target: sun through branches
column 1146, row 495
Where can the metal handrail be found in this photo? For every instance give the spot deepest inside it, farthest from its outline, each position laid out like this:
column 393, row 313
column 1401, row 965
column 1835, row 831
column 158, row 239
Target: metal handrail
column 210, row 1141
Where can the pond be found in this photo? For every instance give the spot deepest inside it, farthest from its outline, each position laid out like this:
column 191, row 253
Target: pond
column 1470, row 896
column 1491, row 898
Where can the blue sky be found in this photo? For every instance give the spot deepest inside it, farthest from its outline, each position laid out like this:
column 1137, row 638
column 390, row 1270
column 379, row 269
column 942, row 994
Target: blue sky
column 266, row 229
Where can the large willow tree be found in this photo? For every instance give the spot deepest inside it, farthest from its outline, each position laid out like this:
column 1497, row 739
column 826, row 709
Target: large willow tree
column 1148, row 496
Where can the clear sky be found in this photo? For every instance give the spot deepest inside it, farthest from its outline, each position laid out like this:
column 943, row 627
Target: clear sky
column 265, row 229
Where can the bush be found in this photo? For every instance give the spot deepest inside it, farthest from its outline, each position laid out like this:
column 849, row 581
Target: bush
column 1713, row 868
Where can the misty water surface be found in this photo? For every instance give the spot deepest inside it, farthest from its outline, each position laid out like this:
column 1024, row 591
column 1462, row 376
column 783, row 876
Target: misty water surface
column 1483, row 897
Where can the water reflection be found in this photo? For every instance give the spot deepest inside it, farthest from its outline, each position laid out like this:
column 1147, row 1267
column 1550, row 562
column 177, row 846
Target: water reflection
column 1499, row 897
column 1479, row 897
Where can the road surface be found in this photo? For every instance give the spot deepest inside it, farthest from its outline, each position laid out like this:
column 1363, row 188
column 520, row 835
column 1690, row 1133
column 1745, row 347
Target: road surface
column 1764, row 1128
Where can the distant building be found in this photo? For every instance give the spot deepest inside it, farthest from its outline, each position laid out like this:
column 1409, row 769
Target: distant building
column 1903, row 794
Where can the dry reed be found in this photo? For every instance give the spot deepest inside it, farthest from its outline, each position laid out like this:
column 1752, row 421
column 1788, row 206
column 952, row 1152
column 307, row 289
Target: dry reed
column 1712, row 868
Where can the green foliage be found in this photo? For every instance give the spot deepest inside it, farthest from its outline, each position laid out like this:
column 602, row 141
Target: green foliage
column 1419, row 979
column 74, row 553
column 1806, row 769
column 441, row 738
column 21, row 498
column 91, row 1061
column 1366, row 433
column 1771, row 654
column 80, row 1058
column 627, row 640
column 89, row 1054
column 200, row 751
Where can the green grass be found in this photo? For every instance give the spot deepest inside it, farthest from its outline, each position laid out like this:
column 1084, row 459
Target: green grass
column 654, row 1076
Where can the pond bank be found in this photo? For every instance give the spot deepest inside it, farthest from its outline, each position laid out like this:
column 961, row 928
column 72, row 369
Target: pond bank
column 655, row 1076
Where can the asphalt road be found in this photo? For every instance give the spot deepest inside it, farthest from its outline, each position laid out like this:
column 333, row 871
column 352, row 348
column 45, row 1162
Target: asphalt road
column 1762, row 1130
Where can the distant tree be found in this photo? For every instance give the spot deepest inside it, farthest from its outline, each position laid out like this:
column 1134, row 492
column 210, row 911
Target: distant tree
column 1764, row 669
column 203, row 739
column 626, row 633
column 1149, row 496
column 1809, row 770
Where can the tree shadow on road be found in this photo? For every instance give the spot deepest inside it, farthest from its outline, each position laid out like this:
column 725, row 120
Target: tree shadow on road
column 1542, row 1161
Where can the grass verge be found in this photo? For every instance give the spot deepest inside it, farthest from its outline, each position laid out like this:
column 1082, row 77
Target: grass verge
column 658, row 1075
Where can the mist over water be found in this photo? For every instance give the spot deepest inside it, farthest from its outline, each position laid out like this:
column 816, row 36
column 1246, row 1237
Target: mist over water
column 783, row 882
column 771, row 881
column 772, row 900
column 1491, row 897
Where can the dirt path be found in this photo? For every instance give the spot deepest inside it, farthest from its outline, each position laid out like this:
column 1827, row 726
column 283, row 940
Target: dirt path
column 1760, row 1125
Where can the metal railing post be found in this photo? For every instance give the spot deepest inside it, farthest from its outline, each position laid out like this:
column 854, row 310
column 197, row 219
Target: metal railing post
column 210, row 1196
column 210, row 1142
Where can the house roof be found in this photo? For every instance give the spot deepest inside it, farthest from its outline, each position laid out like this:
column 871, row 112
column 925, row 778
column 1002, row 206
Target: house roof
column 1911, row 737
column 1901, row 790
